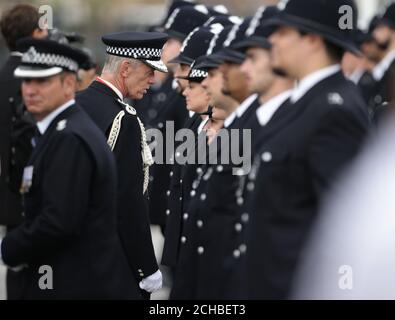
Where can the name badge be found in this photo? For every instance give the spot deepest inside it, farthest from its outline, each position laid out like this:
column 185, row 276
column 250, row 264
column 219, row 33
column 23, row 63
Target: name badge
column 27, row 180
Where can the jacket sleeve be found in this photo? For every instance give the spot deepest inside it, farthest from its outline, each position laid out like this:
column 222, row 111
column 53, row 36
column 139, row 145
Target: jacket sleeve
column 66, row 178
column 335, row 143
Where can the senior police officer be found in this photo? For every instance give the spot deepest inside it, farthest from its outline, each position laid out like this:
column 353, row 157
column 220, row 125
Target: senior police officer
column 132, row 58
column 68, row 187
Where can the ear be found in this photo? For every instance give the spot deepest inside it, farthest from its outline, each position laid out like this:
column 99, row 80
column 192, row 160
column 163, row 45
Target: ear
column 124, row 68
column 40, row 33
column 70, row 83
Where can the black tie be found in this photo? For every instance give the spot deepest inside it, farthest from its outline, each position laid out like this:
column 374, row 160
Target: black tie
column 36, row 138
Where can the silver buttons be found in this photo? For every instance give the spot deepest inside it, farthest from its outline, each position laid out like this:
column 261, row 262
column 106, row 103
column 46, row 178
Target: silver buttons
column 185, row 216
column 203, row 196
column 220, row 168
column 240, row 201
column 171, row 173
column 267, row 156
column 193, row 193
column 238, row 227
column 243, row 248
column 183, row 239
column 236, row 253
column 199, row 223
column 167, row 212
column 200, row 250
column 168, row 192
column 250, row 186
column 245, row 217
column 160, row 125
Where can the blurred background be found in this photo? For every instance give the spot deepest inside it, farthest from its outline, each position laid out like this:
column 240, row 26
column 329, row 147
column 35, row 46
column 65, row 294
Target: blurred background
column 92, row 18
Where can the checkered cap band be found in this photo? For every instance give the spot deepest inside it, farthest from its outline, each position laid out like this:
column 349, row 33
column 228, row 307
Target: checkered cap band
column 136, row 53
column 49, row 59
column 196, row 73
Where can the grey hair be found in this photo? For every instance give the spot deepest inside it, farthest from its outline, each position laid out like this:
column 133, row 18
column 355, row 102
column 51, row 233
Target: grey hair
column 113, row 62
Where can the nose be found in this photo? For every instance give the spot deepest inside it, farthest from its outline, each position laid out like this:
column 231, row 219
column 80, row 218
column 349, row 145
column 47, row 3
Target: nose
column 185, row 92
column 28, row 87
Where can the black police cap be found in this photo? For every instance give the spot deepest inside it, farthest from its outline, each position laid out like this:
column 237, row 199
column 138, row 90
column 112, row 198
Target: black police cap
column 46, row 58
column 321, row 17
column 145, row 46
column 184, row 20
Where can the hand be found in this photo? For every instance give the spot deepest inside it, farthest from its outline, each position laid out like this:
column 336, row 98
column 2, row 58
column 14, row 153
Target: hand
column 152, row 283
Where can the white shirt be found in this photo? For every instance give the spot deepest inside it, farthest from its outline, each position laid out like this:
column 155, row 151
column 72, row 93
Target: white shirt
column 266, row 111
column 356, row 75
column 202, row 124
column 304, row 85
column 230, row 118
column 191, row 113
column 380, row 69
column 116, row 90
column 44, row 124
column 245, row 105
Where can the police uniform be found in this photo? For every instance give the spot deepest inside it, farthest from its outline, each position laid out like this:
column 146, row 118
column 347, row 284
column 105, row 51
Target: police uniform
column 126, row 135
column 195, row 45
column 68, row 186
column 10, row 97
column 299, row 156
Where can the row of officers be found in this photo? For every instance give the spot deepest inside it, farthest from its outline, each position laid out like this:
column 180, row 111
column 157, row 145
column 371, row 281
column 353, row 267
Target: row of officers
column 306, row 90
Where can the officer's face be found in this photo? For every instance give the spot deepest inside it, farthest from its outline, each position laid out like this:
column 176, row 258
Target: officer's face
column 288, row 51
column 197, row 98
column 213, row 85
column 382, row 35
column 258, row 70
column 171, row 49
column 182, row 70
column 234, row 81
column 219, row 114
column 44, row 95
column 138, row 79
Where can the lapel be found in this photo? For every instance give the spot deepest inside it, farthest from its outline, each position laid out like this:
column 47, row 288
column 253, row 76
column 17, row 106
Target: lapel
column 292, row 111
column 96, row 85
column 43, row 142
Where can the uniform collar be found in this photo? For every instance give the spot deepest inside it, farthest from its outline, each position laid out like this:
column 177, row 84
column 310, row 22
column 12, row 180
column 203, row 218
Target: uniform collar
column 202, row 124
column 311, row 80
column 229, row 120
column 109, row 84
column 266, row 111
column 356, row 75
column 45, row 123
column 380, row 69
column 246, row 104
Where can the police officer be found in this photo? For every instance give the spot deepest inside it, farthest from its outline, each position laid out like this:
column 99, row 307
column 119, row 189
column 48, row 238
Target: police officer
column 166, row 105
column 16, row 126
column 384, row 72
column 195, row 45
column 302, row 152
column 132, row 58
column 19, row 22
column 68, row 187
